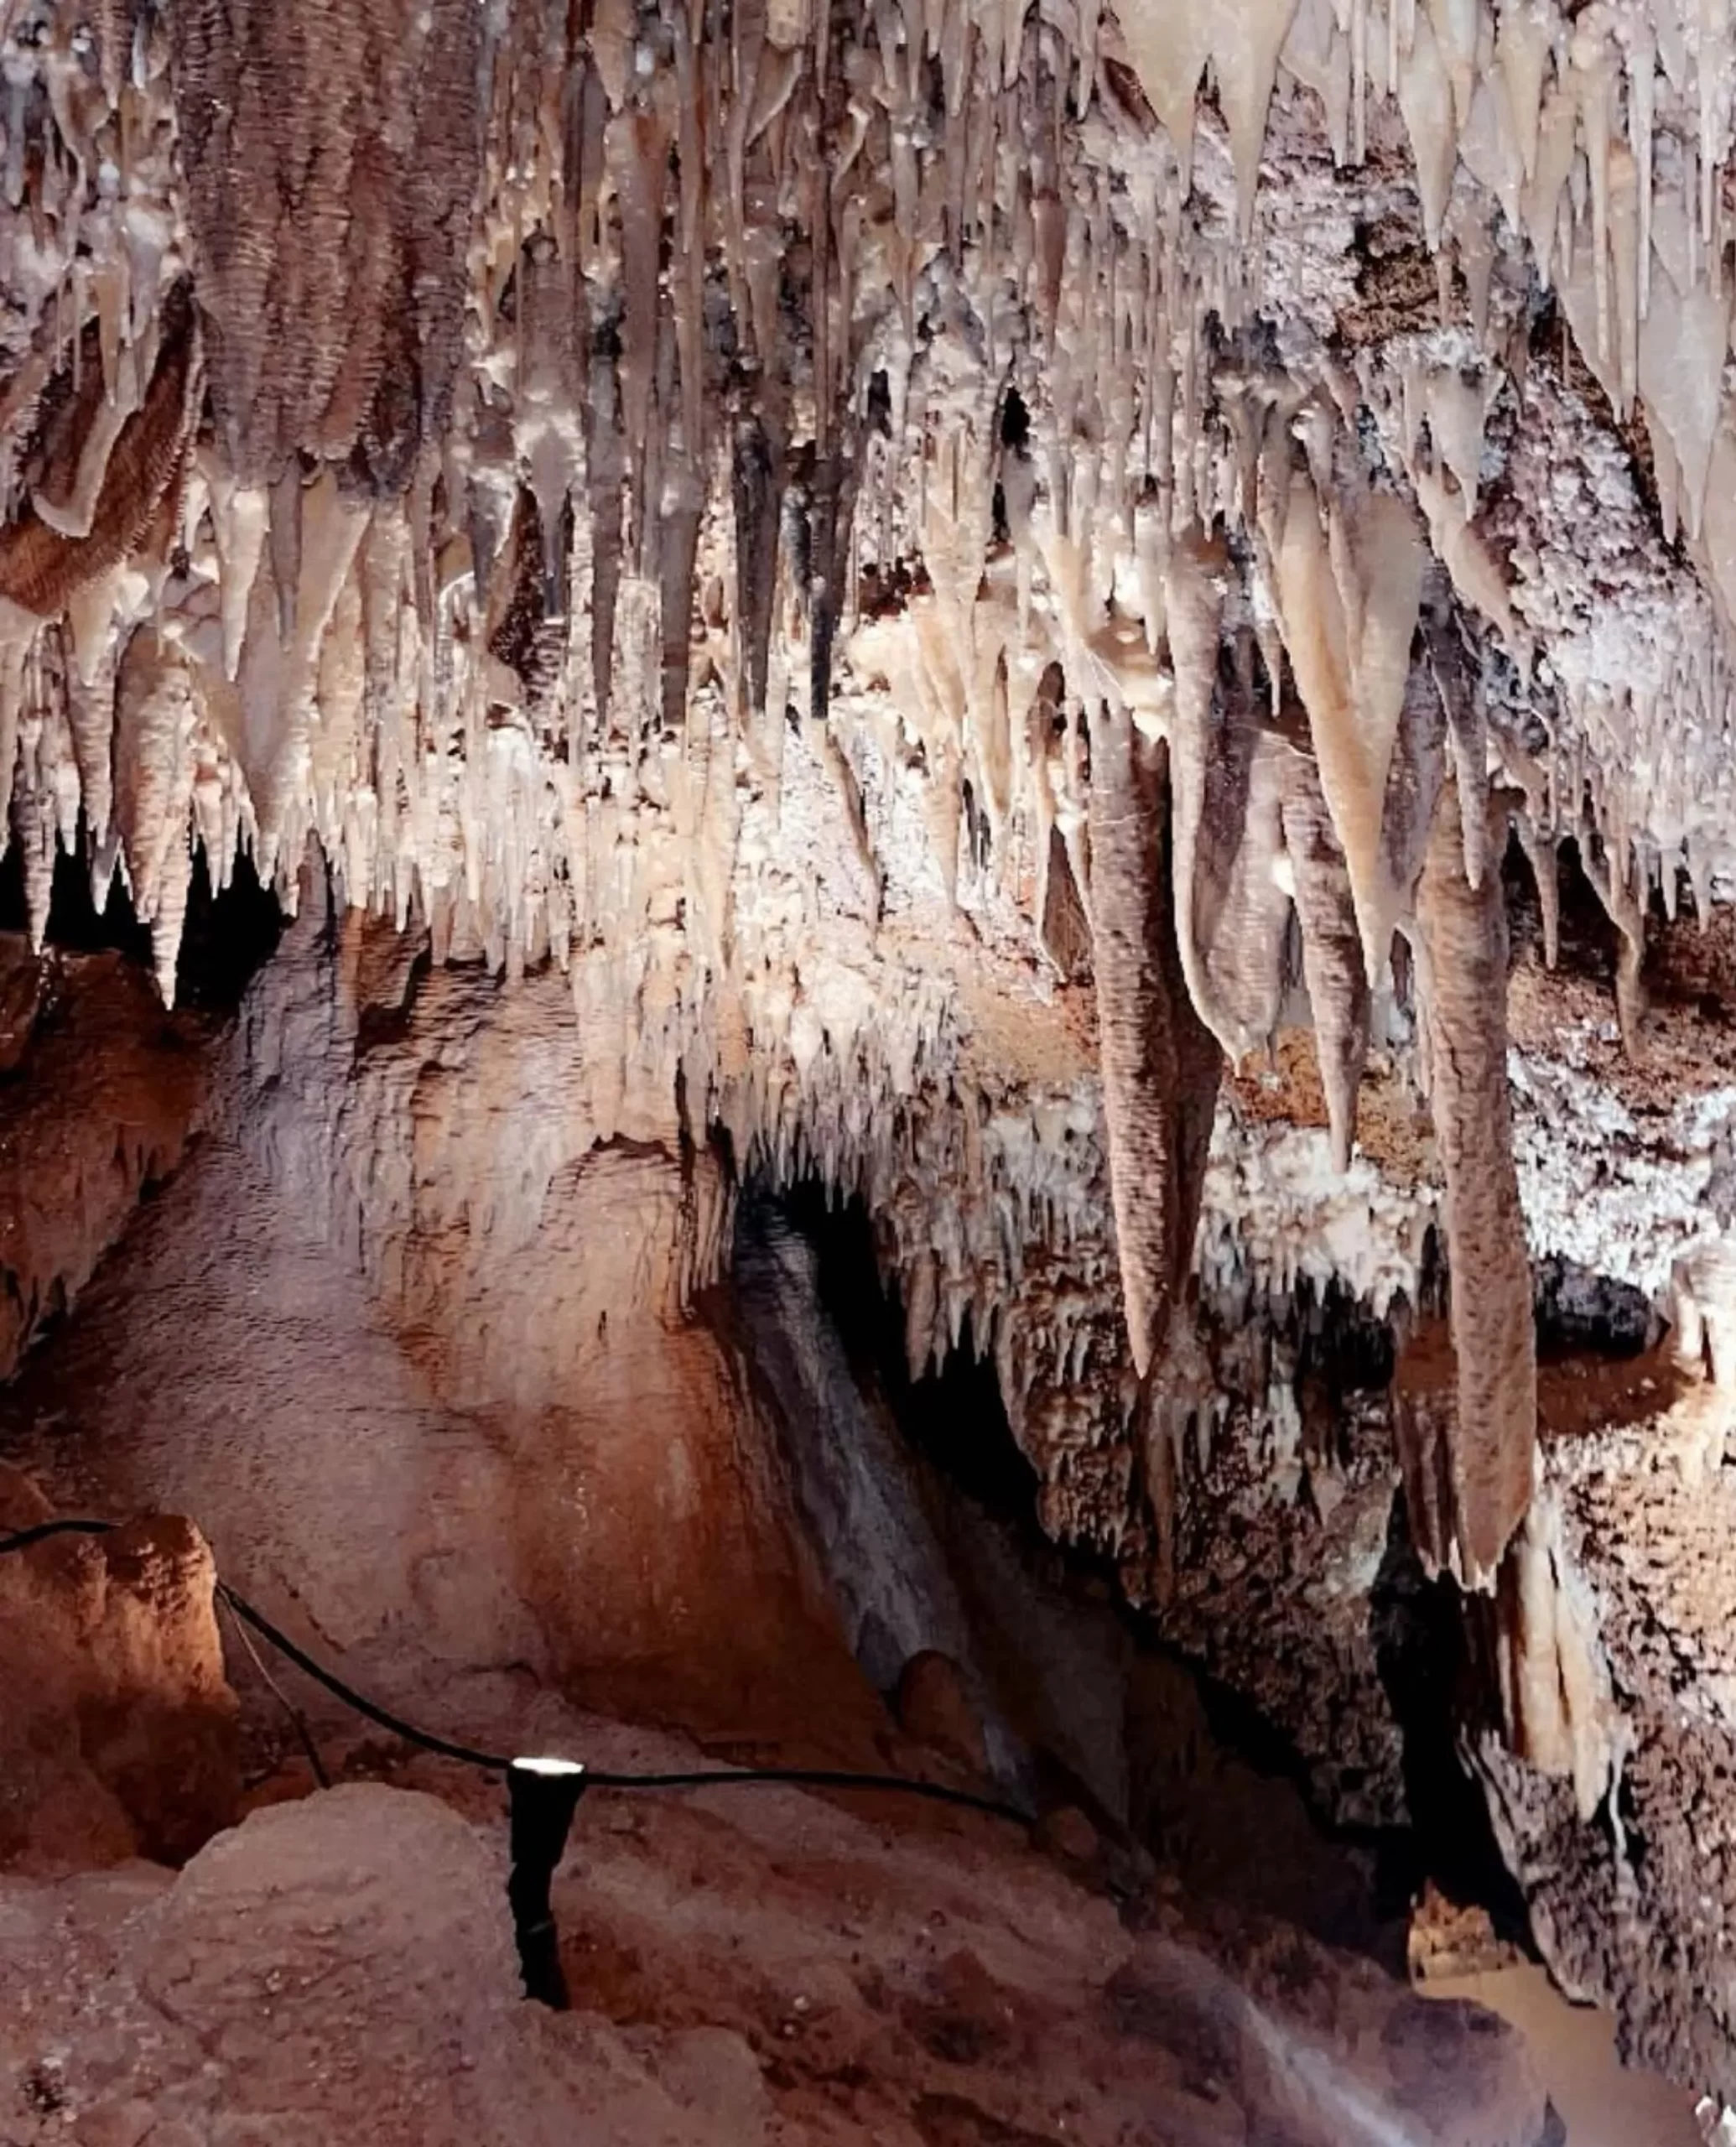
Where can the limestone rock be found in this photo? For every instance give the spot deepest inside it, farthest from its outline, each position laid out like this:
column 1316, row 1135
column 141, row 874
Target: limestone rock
column 716, row 518
column 350, row 1958
column 932, row 1706
column 103, row 1097
column 347, row 1960
column 117, row 1727
column 1485, row 1455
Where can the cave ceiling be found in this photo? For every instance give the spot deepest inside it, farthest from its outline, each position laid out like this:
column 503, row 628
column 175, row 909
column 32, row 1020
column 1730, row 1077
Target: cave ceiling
column 1028, row 547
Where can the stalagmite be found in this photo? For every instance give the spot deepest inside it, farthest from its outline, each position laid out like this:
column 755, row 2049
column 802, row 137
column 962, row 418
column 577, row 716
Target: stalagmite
column 1161, row 1066
column 1484, row 1456
column 1556, row 1692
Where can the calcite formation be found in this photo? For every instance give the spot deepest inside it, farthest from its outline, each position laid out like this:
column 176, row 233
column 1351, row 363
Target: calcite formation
column 119, row 1734
column 1462, row 946
column 966, row 573
column 467, row 437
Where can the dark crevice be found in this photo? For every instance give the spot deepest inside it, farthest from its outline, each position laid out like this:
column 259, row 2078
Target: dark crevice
column 1580, row 1313
column 1364, row 1881
column 1590, row 943
column 955, row 1416
column 1419, row 1630
column 228, row 936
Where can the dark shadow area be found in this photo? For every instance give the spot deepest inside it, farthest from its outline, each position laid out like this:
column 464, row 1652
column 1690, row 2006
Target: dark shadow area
column 1589, row 943
column 227, row 938
column 1221, row 1792
column 1418, row 1627
column 1580, row 1313
column 955, row 1416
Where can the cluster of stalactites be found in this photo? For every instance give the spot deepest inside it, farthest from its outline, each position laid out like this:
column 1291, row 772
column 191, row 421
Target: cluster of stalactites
column 1205, row 841
column 483, row 516
column 431, row 534
column 559, row 409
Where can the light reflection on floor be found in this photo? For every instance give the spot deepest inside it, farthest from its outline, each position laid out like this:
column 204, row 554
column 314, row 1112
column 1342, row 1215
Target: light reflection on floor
column 1600, row 2103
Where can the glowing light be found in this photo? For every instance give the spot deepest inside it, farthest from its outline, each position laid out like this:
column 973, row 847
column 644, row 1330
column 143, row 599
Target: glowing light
column 544, row 1794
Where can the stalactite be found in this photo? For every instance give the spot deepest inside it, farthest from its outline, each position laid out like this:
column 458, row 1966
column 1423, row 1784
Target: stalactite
column 1466, row 734
column 1332, row 948
column 1542, row 856
column 853, row 331
column 1610, row 881
column 1230, row 914
column 1483, row 1475
column 1349, row 594
column 653, row 471
column 91, row 711
column 156, row 716
column 1161, row 1066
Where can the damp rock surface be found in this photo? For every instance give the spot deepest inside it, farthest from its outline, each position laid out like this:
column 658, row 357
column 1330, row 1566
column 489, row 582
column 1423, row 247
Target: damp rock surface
column 747, row 1967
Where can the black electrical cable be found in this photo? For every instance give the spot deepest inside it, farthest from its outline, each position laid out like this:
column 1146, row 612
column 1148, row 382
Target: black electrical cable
column 23, row 1538
column 298, row 1719
column 499, row 1762
column 495, row 1763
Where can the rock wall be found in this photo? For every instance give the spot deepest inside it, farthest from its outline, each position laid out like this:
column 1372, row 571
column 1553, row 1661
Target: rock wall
column 424, row 1361
column 102, row 1094
column 117, row 1727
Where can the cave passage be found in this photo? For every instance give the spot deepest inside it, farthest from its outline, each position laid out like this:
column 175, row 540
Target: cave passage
column 1213, row 1786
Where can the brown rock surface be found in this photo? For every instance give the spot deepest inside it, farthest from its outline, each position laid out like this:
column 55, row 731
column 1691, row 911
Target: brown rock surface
column 1481, row 1478
column 1448, row 1939
column 453, row 1407
column 117, row 1728
column 1161, row 1065
column 1332, row 949
column 101, row 1093
column 747, row 1967
column 345, row 139
column 1647, row 1875
column 933, row 1707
